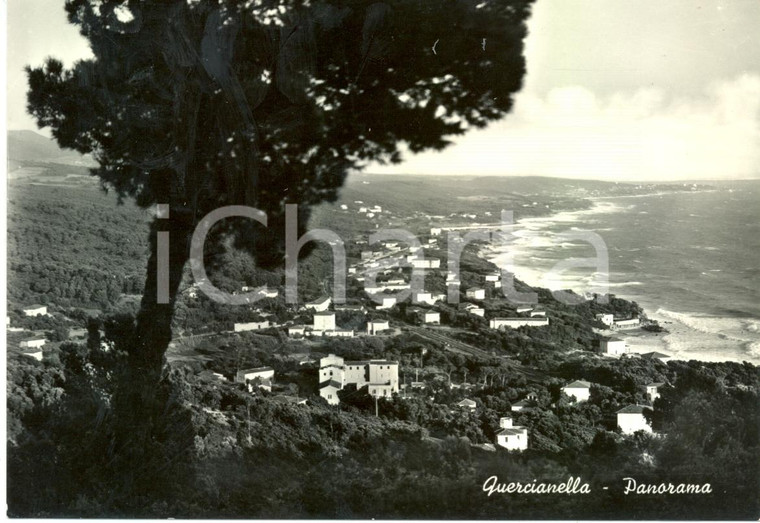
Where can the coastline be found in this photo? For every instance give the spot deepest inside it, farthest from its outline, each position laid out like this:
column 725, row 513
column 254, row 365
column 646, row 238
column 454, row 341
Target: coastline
column 689, row 336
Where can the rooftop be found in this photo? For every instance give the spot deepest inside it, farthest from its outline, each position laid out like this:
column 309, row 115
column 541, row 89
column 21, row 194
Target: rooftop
column 633, row 409
column 655, row 355
column 330, row 383
column 578, row 384
column 511, row 431
column 257, row 369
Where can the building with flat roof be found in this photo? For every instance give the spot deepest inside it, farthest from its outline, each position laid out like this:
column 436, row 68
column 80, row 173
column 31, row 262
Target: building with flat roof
column 513, row 323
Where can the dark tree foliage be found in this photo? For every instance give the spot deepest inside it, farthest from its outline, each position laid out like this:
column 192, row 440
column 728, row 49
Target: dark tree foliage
column 201, row 104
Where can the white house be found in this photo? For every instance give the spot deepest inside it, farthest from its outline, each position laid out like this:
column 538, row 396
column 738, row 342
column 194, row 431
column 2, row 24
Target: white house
column 536, row 313
column 320, row 305
column 324, row 321
column 511, row 437
column 35, row 310
column 578, row 390
column 607, row 319
column 37, row 355
column 386, row 302
column 440, row 297
column 32, row 343
column 493, row 277
column 435, row 231
column 476, row 294
column 329, row 390
column 376, row 326
column 626, row 324
column 499, row 323
column 430, row 317
column 423, row 297
column 262, row 373
column 631, row 419
column 612, row 346
column 652, row 391
column 251, row 326
column 297, row 330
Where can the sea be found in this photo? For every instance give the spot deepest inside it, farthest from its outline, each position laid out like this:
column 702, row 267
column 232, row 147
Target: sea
column 691, row 259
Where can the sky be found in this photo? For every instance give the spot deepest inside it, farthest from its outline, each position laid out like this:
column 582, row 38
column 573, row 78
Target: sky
column 615, row 90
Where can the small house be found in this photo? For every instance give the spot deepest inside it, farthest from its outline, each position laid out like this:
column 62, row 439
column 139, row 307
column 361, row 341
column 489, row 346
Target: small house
column 423, row 297
column 578, row 390
column 324, row 321
column 476, row 294
column 652, row 391
column 631, row 419
column 385, row 302
column 511, row 437
column 329, row 391
column 612, row 346
column 262, row 373
column 35, row 310
column 376, row 326
column 607, row 319
column 32, row 343
column 320, row 305
column 297, row 330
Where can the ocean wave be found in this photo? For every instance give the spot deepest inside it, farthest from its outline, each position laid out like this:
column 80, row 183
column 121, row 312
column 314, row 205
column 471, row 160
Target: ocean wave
column 624, row 284
column 738, row 332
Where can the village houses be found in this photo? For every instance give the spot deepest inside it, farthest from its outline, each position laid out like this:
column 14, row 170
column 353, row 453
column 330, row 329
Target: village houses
column 380, row 377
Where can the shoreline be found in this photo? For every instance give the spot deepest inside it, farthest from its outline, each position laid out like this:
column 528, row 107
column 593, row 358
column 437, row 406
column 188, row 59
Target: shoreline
column 689, row 336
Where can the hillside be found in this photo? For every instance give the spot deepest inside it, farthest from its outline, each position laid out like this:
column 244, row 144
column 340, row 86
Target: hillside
column 28, row 146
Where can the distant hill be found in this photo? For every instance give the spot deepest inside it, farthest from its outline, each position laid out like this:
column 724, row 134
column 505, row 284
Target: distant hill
column 28, row 146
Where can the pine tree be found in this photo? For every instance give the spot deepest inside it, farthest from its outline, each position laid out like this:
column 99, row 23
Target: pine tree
column 200, row 104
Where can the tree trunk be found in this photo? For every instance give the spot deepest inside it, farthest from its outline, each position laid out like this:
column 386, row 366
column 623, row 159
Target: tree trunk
column 138, row 402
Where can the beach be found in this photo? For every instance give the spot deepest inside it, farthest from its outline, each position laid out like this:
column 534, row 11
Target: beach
column 693, row 271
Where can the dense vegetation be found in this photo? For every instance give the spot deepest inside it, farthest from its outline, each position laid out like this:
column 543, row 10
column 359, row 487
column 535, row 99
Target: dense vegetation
column 220, row 451
column 226, row 453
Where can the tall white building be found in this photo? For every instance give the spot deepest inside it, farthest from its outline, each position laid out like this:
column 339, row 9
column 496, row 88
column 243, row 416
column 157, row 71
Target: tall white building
column 511, row 437
column 380, row 376
column 324, row 321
